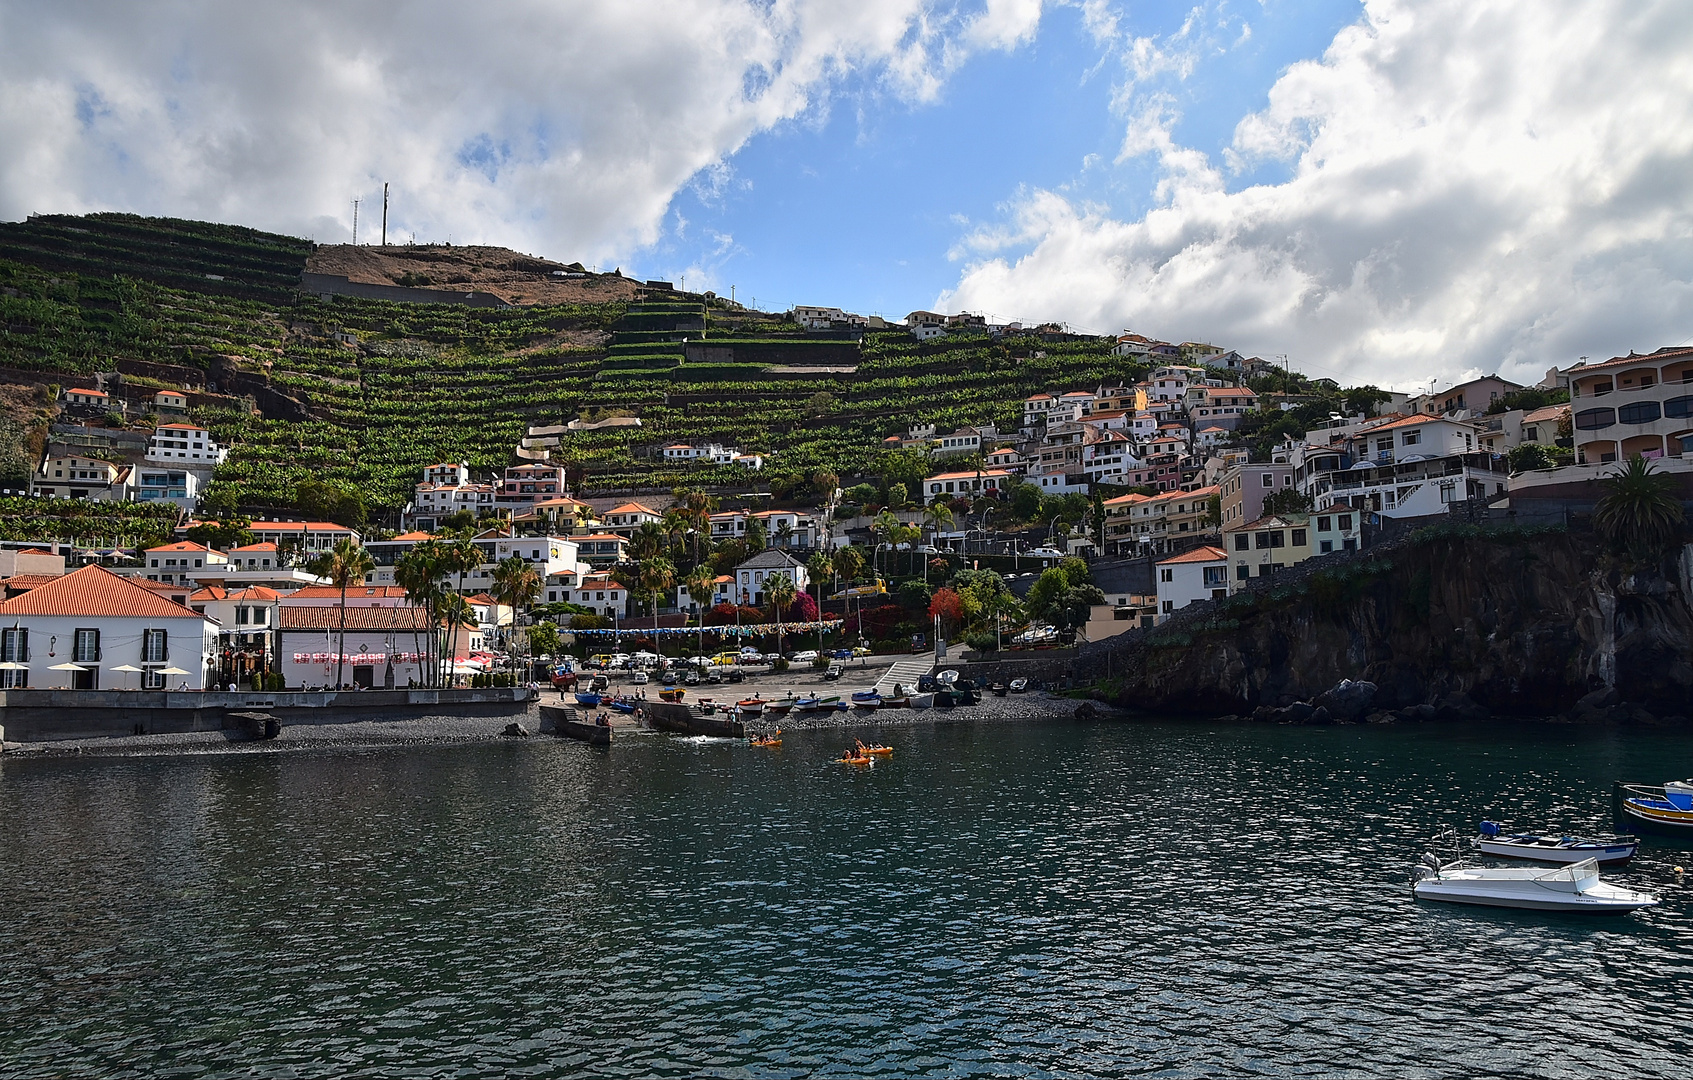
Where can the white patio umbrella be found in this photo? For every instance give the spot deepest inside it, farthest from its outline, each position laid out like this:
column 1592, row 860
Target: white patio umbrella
column 127, row 669
column 67, row 666
column 11, row 665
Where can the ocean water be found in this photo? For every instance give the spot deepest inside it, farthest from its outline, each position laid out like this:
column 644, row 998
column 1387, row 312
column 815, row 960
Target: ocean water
column 1038, row 899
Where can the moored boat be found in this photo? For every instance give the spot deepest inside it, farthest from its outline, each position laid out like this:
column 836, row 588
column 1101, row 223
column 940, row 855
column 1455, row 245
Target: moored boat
column 866, row 699
column 781, row 706
column 672, row 693
column 922, row 701
column 999, row 689
column 1019, row 686
column 1648, row 808
column 588, row 698
column 1490, row 840
column 902, row 702
column 750, row 708
column 620, row 705
column 1572, row 888
column 817, row 704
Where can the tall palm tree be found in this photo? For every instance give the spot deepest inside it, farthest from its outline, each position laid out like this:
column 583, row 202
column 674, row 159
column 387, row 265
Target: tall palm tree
column 848, row 562
column 937, row 516
column 817, row 568
column 883, row 527
column 343, row 564
column 784, row 533
column 649, row 541
column 418, row 572
column 516, row 585
column 456, row 610
column 698, row 583
column 460, row 557
column 656, row 576
column 1640, row 511
column 781, row 590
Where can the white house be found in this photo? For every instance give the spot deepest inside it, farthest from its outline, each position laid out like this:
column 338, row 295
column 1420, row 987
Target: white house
column 81, row 478
column 177, row 564
column 751, row 576
column 87, row 399
column 628, row 517
column 1200, row 574
column 75, row 630
column 170, row 401
column 927, row 331
column 386, row 646
column 185, row 445
column 969, row 482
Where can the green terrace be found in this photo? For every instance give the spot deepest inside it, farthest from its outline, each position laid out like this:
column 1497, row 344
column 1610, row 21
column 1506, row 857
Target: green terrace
column 442, row 382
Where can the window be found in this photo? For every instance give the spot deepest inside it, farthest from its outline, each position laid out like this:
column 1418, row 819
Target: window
column 1343, row 522
column 261, row 616
column 1325, row 546
column 240, row 616
column 1384, row 445
column 154, row 647
column 1166, row 575
column 1298, row 538
column 1601, row 388
column 1263, row 541
column 1324, row 523
column 1411, row 438
column 1269, row 481
column 1169, row 606
column 1216, row 576
column 86, row 649
column 1595, row 419
column 1638, row 412
column 1242, row 572
column 1679, row 406
column 1242, row 542
column 14, row 645
column 1278, row 539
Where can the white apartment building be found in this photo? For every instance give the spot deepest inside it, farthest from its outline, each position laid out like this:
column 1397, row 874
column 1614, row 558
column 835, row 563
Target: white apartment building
column 185, row 445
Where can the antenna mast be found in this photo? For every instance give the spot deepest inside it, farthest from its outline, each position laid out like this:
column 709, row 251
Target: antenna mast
column 355, row 223
column 384, row 214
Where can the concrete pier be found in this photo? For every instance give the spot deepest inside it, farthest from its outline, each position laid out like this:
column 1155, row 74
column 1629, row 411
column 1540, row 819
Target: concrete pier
column 43, row 715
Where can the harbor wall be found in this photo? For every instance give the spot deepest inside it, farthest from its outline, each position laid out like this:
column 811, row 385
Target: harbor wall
column 45, row 715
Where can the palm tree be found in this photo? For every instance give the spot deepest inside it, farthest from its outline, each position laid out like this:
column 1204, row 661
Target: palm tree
column 698, row 583
column 784, row 533
column 655, row 576
column 756, row 539
column 418, row 572
column 456, row 609
column 460, row 557
column 1640, row 511
column 696, row 507
column 343, row 564
column 781, row 590
column 516, row 585
column 649, row 542
column 817, row 568
column 883, row 526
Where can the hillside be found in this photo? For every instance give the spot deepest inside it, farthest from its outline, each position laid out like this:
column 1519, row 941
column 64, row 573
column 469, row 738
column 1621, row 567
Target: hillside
column 513, row 277
column 421, row 383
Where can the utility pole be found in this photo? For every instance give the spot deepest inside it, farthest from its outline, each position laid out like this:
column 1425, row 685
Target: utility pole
column 355, row 223
column 385, row 214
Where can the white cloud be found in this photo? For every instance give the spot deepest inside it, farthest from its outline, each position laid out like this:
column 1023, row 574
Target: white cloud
column 1470, row 185
column 564, row 128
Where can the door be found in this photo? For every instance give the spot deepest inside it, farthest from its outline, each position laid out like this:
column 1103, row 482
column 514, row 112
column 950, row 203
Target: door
column 85, row 679
column 364, row 676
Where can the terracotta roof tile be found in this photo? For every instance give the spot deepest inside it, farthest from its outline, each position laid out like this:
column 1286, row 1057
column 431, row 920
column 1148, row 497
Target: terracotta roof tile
column 357, row 618
column 1198, row 554
column 95, row 592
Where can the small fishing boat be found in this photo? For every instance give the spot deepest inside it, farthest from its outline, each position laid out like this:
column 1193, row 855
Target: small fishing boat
column 1645, row 808
column 781, row 706
column 813, row 703
column 1491, row 840
column 901, row 702
column 750, row 708
column 672, row 693
column 587, row 698
column 921, row 701
column 620, row 705
column 1572, row 888
column 999, row 689
column 866, row 699
column 1019, row 686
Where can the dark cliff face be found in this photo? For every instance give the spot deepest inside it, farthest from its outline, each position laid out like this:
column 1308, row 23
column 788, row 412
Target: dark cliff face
column 1524, row 625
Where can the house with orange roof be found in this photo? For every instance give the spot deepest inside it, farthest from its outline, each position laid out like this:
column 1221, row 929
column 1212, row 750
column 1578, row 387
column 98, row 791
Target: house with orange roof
column 966, row 483
column 1201, row 573
column 626, row 518
column 247, row 619
column 14, row 561
column 1160, row 522
column 76, row 476
column 88, row 399
column 75, row 630
column 1268, row 545
column 176, row 564
column 304, row 538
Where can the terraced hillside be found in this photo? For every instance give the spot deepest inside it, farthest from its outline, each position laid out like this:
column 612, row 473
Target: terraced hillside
column 365, row 393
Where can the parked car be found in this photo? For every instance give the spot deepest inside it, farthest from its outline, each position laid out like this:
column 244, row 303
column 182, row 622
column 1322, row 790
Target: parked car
column 861, row 650
column 1044, row 553
column 726, row 658
column 841, row 654
column 737, row 675
column 692, row 678
column 804, row 656
column 834, row 671
column 640, row 678
column 714, row 676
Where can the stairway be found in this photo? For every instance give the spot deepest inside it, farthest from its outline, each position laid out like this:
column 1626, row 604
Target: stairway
column 904, row 672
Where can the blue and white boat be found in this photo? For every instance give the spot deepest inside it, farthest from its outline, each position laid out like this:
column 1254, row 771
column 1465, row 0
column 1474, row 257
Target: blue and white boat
column 1666, row 809
column 1606, row 851
column 866, row 699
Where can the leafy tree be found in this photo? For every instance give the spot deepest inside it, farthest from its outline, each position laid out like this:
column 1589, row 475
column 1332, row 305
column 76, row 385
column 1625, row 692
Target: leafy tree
column 223, row 535
column 1640, row 512
column 1528, row 399
column 699, row 582
column 861, row 494
column 781, row 590
column 906, row 466
column 544, row 640
column 1364, row 399
column 1285, row 501
column 419, row 572
column 1213, row 512
column 517, row 585
column 949, row 608
column 331, row 501
column 1530, row 456
column 1025, row 501
column 896, row 495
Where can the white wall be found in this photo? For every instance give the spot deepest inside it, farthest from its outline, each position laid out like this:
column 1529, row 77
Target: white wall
column 190, row 642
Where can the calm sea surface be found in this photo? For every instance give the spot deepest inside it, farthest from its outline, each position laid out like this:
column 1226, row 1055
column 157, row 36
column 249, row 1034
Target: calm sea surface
column 1024, row 900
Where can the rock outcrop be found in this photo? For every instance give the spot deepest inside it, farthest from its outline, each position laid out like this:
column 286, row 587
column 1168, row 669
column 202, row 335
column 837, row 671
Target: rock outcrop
column 1459, row 625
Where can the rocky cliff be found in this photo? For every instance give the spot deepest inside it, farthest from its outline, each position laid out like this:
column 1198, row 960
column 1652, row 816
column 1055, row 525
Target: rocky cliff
column 1460, row 620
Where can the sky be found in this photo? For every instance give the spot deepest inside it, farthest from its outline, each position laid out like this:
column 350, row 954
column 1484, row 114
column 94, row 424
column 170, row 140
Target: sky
column 1380, row 191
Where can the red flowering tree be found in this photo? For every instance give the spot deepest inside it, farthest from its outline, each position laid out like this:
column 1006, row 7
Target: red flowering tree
column 949, row 606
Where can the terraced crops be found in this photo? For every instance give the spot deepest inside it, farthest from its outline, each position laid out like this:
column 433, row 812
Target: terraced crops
column 438, row 382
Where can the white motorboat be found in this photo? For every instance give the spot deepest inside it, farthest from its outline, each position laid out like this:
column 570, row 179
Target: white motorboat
column 1572, row 888
column 1559, row 849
